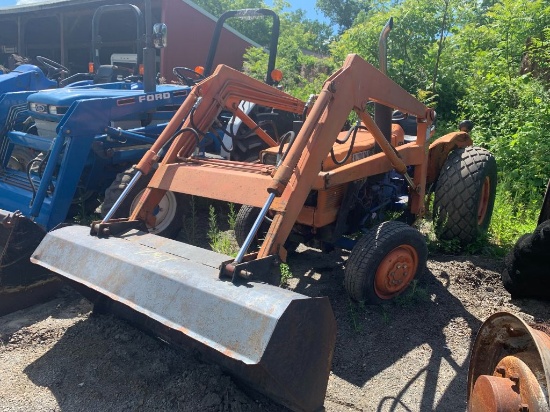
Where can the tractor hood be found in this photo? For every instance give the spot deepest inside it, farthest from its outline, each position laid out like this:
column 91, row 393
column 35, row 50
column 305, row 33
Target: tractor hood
column 55, row 103
column 25, row 77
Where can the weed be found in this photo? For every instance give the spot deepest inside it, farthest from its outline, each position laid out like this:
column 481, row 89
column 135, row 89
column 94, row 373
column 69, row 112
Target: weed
column 232, row 216
column 219, row 241
column 353, row 311
column 385, row 314
column 190, row 224
column 414, row 294
column 511, row 219
column 286, row 274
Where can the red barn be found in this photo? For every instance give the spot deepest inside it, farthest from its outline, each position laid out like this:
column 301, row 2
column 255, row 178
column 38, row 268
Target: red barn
column 61, row 30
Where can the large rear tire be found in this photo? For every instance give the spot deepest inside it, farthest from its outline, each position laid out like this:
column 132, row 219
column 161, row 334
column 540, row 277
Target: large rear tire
column 384, row 262
column 168, row 212
column 465, row 195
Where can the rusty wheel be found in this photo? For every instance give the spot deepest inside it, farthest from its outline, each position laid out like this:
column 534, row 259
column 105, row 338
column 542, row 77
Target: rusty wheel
column 396, row 271
column 509, row 367
column 384, row 262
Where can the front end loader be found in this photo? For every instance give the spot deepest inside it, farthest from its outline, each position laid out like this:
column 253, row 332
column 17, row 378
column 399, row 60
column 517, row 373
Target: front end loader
column 321, row 184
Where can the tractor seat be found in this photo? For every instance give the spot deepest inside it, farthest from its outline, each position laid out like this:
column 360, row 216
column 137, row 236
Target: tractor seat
column 106, row 74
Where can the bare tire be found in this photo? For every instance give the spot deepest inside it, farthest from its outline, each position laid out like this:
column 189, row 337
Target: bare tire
column 168, row 212
column 243, row 225
column 465, row 195
column 384, row 262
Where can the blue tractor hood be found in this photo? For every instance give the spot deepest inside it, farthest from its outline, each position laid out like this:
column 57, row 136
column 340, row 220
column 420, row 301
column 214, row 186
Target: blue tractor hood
column 26, row 77
column 66, row 96
column 53, row 104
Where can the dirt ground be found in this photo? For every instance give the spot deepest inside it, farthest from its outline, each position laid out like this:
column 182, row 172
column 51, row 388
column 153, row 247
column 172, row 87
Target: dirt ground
column 409, row 355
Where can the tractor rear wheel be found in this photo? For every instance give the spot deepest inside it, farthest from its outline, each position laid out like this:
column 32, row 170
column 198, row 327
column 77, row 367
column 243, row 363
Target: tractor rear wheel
column 243, row 225
column 168, row 212
column 465, row 195
column 384, row 262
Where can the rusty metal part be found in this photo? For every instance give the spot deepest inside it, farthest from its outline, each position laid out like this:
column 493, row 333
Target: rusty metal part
column 278, row 341
column 484, row 200
column 22, row 284
column 440, row 149
column 509, row 367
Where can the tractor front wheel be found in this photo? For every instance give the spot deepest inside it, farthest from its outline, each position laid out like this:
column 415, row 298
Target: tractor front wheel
column 168, row 212
column 384, row 262
column 465, row 195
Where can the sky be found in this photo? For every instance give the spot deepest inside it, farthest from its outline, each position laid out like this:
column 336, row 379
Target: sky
column 307, row 5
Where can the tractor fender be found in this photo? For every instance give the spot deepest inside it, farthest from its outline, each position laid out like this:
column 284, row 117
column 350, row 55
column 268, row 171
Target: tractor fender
column 440, row 149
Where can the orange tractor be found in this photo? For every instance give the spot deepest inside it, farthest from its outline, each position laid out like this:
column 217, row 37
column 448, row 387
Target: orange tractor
column 320, row 185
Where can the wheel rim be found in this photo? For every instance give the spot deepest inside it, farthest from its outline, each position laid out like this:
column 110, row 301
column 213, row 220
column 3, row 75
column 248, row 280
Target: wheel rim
column 396, row 271
column 484, row 200
column 164, row 212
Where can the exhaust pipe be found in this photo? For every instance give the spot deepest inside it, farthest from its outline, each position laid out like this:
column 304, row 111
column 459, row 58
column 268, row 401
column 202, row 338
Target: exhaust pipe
column 382, row 114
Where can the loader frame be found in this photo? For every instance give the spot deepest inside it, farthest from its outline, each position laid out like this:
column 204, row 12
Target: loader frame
column 300, row 172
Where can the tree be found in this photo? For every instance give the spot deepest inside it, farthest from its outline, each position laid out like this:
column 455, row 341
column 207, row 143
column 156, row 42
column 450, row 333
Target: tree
column 343, row 12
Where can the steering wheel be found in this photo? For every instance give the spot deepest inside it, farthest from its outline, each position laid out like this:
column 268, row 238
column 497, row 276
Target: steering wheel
column 189, row 81
column 54, row 69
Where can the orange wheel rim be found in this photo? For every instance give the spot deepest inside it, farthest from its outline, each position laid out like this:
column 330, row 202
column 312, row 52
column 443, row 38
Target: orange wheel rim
column 396, row 271
column 483, row 201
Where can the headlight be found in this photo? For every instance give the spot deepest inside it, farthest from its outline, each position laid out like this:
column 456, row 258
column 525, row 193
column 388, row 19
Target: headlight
column 38, row 107
column 57, row 109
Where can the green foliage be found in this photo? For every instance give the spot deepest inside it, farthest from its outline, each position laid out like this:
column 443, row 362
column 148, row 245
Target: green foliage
column 511, row 219
column 354, row 310
column 286, row 274
column 413, row 295
column 343, row 12
column 232, row 216
column 220, row 242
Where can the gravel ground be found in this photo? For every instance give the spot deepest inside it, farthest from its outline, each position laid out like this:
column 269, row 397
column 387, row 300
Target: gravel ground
column 409, row 355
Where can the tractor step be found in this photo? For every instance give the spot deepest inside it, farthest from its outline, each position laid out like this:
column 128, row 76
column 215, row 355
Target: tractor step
column 277, row 341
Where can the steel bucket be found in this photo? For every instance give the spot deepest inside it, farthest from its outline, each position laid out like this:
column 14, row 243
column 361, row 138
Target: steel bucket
column 276, row 341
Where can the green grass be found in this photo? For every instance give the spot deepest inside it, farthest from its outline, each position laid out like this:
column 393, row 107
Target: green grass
column 511, row 219
column 219, row 241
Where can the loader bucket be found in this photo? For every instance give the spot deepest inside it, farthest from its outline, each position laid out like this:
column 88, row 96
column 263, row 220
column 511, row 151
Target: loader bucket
column 22, row 284
column 276, row 341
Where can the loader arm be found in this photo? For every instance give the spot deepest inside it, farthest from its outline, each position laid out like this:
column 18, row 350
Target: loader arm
column 348, row 90
column 224, row 90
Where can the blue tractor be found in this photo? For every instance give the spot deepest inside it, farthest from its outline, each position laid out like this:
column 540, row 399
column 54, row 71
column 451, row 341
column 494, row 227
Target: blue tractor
column 81, row 137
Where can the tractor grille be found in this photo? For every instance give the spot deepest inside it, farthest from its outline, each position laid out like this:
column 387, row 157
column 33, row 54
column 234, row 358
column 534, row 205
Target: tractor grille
column 46, row 128
column 16, row 179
